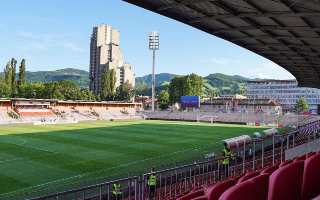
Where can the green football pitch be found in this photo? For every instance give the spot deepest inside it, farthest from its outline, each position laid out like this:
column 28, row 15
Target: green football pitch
column 53, row 156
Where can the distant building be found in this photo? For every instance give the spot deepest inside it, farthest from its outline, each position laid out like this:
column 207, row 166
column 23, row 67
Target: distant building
column 285, row 92
column 105, row 54
column 241, row 105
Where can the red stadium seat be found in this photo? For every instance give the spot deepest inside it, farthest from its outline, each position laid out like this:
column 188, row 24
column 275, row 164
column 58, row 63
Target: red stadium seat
column 311, row 178
column 192, row 195
column 214, row 192
column 261, row 184
column 241, row 191
column 270, row 170
column 303, row 157
column 284, row 163
column 310, row 154
column 285, row 182
column 317, row 198
column 201, row 198
column 248, row 175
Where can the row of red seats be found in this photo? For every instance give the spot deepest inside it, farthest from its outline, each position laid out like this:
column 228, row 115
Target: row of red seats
column 297, row 179
column 35, row 114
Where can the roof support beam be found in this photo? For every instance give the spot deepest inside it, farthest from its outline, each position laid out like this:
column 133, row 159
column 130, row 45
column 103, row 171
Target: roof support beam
column 290, row 52
column 249, row 21
column 278, row 45
column 242, row 15
column 269, row 28
column 273, row 37
column 183, row 3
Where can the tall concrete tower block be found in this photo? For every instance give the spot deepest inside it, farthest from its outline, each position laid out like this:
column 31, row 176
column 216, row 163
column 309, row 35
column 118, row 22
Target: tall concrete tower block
column 105, row 54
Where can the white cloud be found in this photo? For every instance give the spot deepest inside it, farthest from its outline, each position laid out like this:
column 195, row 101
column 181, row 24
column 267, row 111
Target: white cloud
column 219, row 61
column 38, row 41
column 269, row 70
column 73, row 47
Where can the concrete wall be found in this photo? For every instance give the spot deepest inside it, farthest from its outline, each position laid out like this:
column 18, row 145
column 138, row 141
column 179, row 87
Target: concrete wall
column 300, row 150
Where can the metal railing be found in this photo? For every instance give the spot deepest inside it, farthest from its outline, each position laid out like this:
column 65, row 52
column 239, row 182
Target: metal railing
column 179, row 180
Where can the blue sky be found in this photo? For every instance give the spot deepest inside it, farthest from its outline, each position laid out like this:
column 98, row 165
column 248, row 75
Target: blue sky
column 55, row 34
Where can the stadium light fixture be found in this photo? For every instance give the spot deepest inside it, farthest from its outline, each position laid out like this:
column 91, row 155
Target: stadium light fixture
column 153, row 46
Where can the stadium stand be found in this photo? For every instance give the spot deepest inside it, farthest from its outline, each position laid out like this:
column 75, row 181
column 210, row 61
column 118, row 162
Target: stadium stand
column 54, row 111
column 234, row 117
column 311, row 177
column 294, row 181
column 265, row 174
column 33, row 111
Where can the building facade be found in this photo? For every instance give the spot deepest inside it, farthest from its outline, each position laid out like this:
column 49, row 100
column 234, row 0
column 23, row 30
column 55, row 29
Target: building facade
column 285, row 92
column 241, row 105
column 105, row 54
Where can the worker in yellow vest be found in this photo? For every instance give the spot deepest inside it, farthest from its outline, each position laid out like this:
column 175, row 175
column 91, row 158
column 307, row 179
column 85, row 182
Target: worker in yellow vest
column 152, row 182
column 227, row 155
column 116, row 191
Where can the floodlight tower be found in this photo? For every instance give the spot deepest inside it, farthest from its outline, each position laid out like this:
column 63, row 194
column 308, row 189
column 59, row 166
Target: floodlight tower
column 153, row 46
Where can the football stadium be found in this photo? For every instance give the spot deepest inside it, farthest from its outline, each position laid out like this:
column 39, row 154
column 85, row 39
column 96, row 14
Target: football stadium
column 115, row 147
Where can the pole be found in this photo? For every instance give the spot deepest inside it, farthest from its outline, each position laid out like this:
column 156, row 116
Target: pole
column 153, row 78
column 244, row 157
column 273, row 150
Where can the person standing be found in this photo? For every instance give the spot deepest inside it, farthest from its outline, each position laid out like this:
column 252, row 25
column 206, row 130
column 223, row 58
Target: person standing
column 152, row 182
column 116, row 191
column 227, row 154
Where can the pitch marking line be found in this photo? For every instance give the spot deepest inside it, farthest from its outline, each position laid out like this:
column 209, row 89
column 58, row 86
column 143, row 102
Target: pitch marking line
column 10, row 160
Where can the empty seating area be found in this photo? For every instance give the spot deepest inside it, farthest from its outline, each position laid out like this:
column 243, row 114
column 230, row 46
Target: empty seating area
column 35, row 112
column 298, row 179
column 4, row 117
column 54, row 111
column 236, row 117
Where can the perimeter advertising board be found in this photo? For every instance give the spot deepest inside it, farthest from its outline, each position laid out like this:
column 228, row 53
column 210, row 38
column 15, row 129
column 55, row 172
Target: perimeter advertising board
column 190, row 101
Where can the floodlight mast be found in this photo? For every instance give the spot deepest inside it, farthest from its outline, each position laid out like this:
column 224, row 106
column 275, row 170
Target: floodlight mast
column 153, row 46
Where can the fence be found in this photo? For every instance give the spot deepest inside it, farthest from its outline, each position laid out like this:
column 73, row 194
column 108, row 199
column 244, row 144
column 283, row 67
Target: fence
column 176, row 181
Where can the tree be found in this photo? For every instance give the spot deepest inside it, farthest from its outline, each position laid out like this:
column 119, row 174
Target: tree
column 301, row 105
column 108, row 84
column 87, row 95
column 214, row 92
column 235, row 89
column 65, row 89
column 243, row 89
column 163, row 100
column 176, row 89
column 125, row 92
column 142, row 89
column 196, row 85
column 190, row 85
column 4, row 89
column 13, row 64
column 69, row 89
column 22, row 73
column 8, row 76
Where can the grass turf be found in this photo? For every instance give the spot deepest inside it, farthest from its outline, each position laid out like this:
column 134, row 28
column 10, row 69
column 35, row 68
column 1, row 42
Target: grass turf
column 55, row 155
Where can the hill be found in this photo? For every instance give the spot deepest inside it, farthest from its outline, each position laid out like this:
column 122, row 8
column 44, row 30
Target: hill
column 220, row 83
column 224, row 84
column 161, row 79
column 81, row 77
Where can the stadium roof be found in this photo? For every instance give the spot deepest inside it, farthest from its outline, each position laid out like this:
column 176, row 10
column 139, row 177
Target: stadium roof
column 286, row 32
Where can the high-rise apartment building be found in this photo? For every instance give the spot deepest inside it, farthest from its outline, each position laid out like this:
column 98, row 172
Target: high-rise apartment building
column 105, row 54
column 285, row 92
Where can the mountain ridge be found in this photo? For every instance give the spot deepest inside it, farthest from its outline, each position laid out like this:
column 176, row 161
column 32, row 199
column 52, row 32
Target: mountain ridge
column 223, row 83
